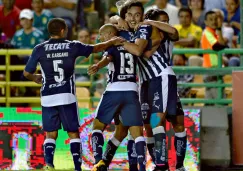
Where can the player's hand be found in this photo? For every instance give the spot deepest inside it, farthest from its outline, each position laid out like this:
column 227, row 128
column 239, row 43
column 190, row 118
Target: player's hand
column 93, row 69
column 122, row 24
column 38, row 78
column 116, row 41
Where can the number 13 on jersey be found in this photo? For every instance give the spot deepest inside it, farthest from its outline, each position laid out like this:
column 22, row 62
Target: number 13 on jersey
column 127, row 58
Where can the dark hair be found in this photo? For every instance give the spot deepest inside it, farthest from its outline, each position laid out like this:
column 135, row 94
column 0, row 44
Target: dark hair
column 111, row 14
column 208, row 13
column 185, row 9
column 83, row 29
column 154, row 14
column 42, row 1
column 129, row 5
column 203, row 2
column 55, row 26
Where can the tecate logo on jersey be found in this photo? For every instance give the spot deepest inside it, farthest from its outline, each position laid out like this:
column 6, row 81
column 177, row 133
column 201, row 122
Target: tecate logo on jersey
column 124, row 77
column 57, row 84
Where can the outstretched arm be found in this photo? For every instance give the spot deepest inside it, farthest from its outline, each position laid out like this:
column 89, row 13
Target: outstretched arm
column 103, row 46
column 93, row 69
column 172, row 31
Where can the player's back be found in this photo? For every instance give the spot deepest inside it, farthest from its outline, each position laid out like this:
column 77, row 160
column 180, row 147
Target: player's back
column 122, row 69
column 57, row 60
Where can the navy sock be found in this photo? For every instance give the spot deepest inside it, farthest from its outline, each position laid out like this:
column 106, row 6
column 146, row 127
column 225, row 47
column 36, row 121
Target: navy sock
column 141, row 152
column 76, row 150
column 160, row 146
column 49, row 149
column 151, row 148
column 132, row 155
column 97, row 145
column 111, row 148
column 180, row 146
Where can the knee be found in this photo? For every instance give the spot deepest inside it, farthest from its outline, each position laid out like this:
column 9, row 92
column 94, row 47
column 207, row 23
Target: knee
column 73, row 135
column 97, row 125
column 120, row 135
column 157, row 119
column 52, row 135
column 179, row 128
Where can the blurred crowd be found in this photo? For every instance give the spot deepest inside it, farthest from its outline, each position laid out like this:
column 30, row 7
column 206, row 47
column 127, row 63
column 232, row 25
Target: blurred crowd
column 23, row 25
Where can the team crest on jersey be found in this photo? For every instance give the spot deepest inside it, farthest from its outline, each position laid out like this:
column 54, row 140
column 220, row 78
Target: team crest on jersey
column 32, row 41
column 44, row 20
column 143, row 31
column 145, row 109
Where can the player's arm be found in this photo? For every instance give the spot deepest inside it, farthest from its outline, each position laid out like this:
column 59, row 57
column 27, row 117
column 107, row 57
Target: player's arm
column 165, row 27
column 119, row 22
column 104, row 45
column 93, row 69
column 30, row 68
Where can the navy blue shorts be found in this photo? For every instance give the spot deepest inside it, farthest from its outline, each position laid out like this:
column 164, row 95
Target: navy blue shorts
column 124, row 103
column 159, row 95
column 65, row 115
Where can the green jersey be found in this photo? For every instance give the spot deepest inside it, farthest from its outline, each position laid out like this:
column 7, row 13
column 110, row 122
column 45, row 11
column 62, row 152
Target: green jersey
column 21, row 40
column 41, row 21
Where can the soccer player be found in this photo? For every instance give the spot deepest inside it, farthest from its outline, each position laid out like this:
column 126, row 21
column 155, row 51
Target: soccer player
column 120, row 97
column 59, row 105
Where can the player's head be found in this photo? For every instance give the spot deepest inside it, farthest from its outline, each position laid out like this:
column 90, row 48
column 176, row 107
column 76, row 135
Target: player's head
column 158, row 15
column 57, row 27
column 37, row 5
column 132, row 11
column 211, row 19
column 8, row 4
column 107, row 31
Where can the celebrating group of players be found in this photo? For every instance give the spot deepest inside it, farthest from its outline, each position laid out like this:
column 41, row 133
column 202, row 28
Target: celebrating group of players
column 143, row 44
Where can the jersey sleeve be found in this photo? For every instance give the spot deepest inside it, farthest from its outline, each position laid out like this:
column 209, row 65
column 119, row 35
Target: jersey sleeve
column 83, row 49
column 144, row 32
column 108, row 52
column 32, row 62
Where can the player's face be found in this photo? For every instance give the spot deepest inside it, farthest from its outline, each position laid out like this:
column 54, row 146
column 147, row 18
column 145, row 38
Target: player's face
column 26, row 23
column 185, row 19
column 104, row 36
column 163, row 18
column 37, row 5
column 178, row 60
column 211, row 21
column 134, row 16
column 196, row 4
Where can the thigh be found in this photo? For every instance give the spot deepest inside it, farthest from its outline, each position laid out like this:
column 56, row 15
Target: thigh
column 50, row 119
column 131, row 110
column 108, row 106
column 145, row 106
column 173, row 101
column 69, row 115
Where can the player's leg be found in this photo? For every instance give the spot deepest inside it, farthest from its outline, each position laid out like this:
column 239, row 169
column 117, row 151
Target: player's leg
column 112, row 145
column 132, row 117
column 105, row 112
column 180, row 142
column 146, row 113
column 69, row 115
column 51, row 124
column 158, row 97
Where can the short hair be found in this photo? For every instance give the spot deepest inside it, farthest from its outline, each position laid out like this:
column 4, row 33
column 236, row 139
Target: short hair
column 185, row 9
column 208, row 13
column 154, row 14
column 203, row 2
column 55, row 26
column 109, row 27
column 83, row 29
column 126, row 6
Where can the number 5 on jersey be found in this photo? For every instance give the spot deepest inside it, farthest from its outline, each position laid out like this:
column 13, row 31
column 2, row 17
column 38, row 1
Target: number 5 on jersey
column 60, row 71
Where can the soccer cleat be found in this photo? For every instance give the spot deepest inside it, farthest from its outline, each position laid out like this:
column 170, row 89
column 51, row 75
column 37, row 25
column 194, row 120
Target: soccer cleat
column 181, row 169
column 100, row 166
column 48, row 167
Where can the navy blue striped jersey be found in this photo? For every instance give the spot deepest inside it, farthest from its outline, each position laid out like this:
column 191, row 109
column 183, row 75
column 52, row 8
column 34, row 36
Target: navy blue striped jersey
column 158, row 64
column 57, row 60
column 122, row 69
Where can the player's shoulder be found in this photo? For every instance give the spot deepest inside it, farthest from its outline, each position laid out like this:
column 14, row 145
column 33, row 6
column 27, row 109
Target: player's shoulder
column 40, row 46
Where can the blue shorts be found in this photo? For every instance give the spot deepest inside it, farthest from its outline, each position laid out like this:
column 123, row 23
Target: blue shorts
column 65, row 115
column 124, row 103
column 159, row 95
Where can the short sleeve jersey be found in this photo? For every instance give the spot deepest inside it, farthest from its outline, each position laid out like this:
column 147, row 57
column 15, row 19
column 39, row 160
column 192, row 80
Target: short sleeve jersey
column 57, row 60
